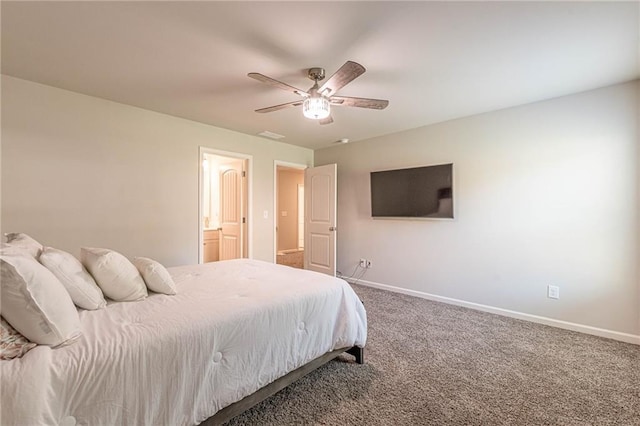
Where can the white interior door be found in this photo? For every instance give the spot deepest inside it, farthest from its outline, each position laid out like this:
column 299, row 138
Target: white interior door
column 231, row 210
column 320, row 219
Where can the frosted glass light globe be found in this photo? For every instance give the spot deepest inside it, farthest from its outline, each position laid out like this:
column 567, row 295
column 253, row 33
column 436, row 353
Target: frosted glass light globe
column 316, row 108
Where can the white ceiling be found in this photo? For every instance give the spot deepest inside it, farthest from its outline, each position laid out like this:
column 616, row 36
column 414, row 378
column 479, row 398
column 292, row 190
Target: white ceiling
column 434, row 61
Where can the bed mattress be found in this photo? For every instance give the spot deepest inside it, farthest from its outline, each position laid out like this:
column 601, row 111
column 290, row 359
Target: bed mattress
column 234, row 327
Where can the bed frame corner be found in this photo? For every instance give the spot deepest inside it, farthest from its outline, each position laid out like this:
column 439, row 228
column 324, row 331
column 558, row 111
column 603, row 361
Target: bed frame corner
column 357, row 352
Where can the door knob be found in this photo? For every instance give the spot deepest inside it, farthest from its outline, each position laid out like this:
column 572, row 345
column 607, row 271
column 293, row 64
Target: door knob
column 333, row 228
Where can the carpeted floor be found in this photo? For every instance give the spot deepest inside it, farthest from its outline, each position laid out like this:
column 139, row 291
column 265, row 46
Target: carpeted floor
column 428, row 363
column 294, row 259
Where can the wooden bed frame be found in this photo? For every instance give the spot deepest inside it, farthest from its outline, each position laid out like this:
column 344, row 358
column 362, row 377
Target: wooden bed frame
column 260, row 395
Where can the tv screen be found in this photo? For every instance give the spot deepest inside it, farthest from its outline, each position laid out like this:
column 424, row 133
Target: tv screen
column 418, row 192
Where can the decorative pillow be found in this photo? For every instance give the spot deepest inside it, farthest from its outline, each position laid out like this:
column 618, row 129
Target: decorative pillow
column 12, row 344
column 25, row 242
column 155, row 276
column 35, row 303
column 7, row 249
column 116, row 276
column 81, row 286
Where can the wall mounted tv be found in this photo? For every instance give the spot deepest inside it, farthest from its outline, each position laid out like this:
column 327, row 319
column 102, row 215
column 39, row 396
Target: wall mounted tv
column 418, row 192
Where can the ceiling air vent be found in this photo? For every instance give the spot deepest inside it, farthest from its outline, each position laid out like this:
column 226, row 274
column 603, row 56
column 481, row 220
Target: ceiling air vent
column 270, row 135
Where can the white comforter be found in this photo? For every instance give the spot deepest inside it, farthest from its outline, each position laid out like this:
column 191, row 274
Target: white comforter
column 233, row 327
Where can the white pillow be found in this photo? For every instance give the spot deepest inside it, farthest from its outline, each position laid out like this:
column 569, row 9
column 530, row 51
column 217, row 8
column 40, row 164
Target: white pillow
column 23, row 241
column 7, row 249
column 35, row 303
column 116, row 276
column 81, row 286
column 155, row 275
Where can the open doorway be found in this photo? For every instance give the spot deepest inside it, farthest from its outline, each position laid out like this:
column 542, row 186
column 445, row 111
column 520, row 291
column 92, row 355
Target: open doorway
column 289, row 216
column 224, row 206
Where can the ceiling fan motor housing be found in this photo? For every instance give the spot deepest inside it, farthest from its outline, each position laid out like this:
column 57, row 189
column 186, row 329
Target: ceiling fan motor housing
column 316, row 74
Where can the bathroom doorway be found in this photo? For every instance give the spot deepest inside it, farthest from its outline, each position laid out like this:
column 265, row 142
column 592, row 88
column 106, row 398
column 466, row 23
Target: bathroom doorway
column 289, row 217
column 224, row 205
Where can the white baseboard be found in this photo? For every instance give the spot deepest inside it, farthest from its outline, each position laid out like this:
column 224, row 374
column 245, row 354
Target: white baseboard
column 616, row 335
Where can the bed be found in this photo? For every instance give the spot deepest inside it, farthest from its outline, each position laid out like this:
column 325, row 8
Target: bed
column 236, row 332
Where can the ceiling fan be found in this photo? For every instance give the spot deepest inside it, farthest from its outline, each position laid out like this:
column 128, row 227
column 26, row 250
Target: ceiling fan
column 317, row 100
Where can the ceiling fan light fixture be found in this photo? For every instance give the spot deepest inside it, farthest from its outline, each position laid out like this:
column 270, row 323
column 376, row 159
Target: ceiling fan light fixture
column 317, row 101
column 316, row 108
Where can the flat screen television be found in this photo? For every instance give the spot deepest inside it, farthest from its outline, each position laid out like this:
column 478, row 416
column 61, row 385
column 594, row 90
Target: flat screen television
column 418, row 192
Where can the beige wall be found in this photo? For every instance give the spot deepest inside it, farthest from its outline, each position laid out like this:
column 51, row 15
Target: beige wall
column 546, row 193
column 288, row 181
column 82, row 171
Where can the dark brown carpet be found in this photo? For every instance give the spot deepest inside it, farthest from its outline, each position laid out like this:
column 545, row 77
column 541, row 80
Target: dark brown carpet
column 429, row 363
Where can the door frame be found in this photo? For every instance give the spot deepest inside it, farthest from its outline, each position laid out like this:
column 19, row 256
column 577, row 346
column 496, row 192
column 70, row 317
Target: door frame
column 290, row 165
column 202, row 150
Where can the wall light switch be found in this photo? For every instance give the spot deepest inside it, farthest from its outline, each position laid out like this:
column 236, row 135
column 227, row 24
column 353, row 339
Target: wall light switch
column 553, row 292
column 265, row 214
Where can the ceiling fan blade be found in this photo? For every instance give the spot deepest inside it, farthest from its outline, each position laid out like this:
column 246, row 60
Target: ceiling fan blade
column 281, row 106
column 327, row 120
column 284, row 86
column 346, row 74
column 359, row 102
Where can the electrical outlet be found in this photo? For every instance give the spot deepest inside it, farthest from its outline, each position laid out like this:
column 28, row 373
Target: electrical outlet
column 553, row 292
column 365, row 263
